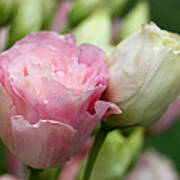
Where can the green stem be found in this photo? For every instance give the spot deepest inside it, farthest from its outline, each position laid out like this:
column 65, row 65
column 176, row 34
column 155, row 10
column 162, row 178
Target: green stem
column 98, row 142
column 33, row 174
column 57, row 172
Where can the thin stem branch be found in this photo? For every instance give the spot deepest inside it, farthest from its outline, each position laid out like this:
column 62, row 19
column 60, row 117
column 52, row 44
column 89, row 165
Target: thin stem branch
column 33, row 174
column 98, row 142
column 57, row 172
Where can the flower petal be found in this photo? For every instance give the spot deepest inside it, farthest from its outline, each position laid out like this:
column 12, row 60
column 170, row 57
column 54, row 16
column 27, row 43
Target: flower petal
column 43, row 145
column 91, row 54
column 87, row 121
column 6, row 110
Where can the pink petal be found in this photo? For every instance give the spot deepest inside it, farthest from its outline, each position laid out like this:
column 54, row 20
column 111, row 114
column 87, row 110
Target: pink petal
column 112, row 109
column 6, row 111
column 22, row 106
column 91, row 54
column 64, row 44
column 15, row 166
column 87, row 121
column 42, row 145
column 71, row 168
column 70, row 107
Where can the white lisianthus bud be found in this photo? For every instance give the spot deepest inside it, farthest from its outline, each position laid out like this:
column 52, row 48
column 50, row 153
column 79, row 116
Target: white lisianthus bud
column 145, row 76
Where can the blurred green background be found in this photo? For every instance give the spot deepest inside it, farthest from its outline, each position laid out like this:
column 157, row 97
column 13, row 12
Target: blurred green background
column 166, row 14
column 168, row 143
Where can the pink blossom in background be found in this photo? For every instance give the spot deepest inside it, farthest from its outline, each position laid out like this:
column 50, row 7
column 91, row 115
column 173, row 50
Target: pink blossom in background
column 8, row 177
column 15, row 166
column 71, row 168
column 49, row 94
column 153, row 166
column 3, row 37
column 167, row 120
column 61, row 15
column 116, row 26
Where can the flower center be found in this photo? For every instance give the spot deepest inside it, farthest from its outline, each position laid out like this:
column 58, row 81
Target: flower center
column 54, row 78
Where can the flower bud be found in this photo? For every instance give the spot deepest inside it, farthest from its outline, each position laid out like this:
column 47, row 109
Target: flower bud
column 28, row 18
column 135, row 18
column 61, row 15
column 152, row 165
column 116, row 155
column 81, row 9
column 96, row 29
column 49, row 7
column 116, row 6
column 145, row 76
column 5, row 10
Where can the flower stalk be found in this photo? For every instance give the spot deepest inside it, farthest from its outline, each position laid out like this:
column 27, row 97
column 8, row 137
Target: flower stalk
column 34, row 174
column 98, row 142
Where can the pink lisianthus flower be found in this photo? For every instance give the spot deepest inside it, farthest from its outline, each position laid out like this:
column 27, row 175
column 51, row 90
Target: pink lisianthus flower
column 49, row 94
